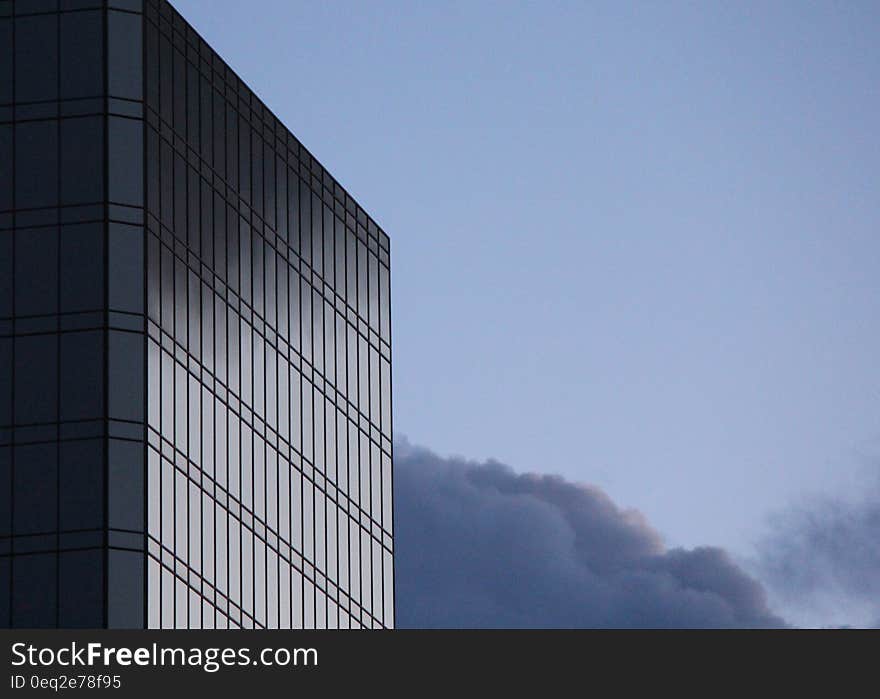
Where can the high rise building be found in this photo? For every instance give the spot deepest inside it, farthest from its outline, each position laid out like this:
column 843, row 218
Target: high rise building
column 195, row 347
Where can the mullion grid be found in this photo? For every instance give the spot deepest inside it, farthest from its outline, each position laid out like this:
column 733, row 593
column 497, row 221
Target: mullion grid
column 207, row 379
column 332, row 589
column 351, row 509
column 250, row 313
column 57, row 115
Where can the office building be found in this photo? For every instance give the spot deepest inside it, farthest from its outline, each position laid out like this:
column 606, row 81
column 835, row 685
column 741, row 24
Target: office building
column 195, row 357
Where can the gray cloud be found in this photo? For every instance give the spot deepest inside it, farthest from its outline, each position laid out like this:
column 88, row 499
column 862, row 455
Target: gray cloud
column 821, row 561
column 478, row 545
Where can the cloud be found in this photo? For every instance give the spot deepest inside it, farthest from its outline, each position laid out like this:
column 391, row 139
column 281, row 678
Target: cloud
column 477, row 545
column 821, row 561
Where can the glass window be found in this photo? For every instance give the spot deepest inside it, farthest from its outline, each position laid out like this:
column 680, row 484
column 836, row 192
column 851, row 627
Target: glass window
column 293, row 307
column 257, row 172
column 281, row 197
column 305, row 227
column 339, row 249
column 81, row 478
column 387, row 499
column 82, row 274
column 5, row 61
column 82, row 160
column 152, row 64
column 126, row 485
column 165, row 77
column 35, row 489
column 362, row 291
column 126, row 268
column 81, row 589
column 34, row 591
column 124, row 55
column 36, row 379
column 269, row 185
column 244, row 248
column 385, row 302
column 192, row 105
column 293, row 209
column 6, row 170
column 82, row 368
column 5, row 494
column 126, row 376
column 36, row 164
column 318, row 330
column 36, row 58
column 126, row 161
column 206, row 117
column 317, row 260
column 220, row 155
column 351, row 269
column 82, row 54
column 306, row 320
column 257, row 274
column 244, row 160
column 36, row 271
column 374, row 291
column 125, row 589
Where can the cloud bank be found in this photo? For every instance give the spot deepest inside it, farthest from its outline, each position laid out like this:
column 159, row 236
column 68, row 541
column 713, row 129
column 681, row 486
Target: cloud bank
column 821, row 561
column 479, row 546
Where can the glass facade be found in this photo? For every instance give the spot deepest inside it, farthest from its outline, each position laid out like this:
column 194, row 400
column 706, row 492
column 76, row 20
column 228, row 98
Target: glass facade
column 195, row 357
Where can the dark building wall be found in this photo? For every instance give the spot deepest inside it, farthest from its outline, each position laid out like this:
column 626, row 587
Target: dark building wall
column 71, row 316
column 269, row 352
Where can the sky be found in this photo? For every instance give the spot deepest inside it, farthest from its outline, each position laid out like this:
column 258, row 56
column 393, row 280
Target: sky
column 633, row 245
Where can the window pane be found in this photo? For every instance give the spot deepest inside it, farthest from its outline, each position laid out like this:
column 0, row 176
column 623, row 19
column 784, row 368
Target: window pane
column 126, row 485
column 126, row 376
column 124, row 55
column 34, row 586
column 6, row 170
column 5, row 494
column 36, row 58
column 36, row 271
column 82, row 171
column 81, row 589
column 81, row 477
column 126, row 268
column 34, row 491
column 82, row 365
column 6, row 274
column 5, row 61
column 82, row 43
column 125, row 606
column 82, row 274
column 36, row 379
column 36, row 164
column 126, row 161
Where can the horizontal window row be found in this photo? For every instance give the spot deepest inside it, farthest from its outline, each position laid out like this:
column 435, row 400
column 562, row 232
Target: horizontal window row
column 178, row 603
column 61, row 56
column 285, row 273
column 288, row 460
column 67, row 590
column 245, row 356
column 206, row 377
column 194, row 99
column 60, row 487
column 53, row 270
column 216, row 231
column 219, row 543
column 203, row 427
column 51, row 378
column 62, row 162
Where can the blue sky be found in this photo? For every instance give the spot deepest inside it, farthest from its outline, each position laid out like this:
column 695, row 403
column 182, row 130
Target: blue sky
column 633, row 244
